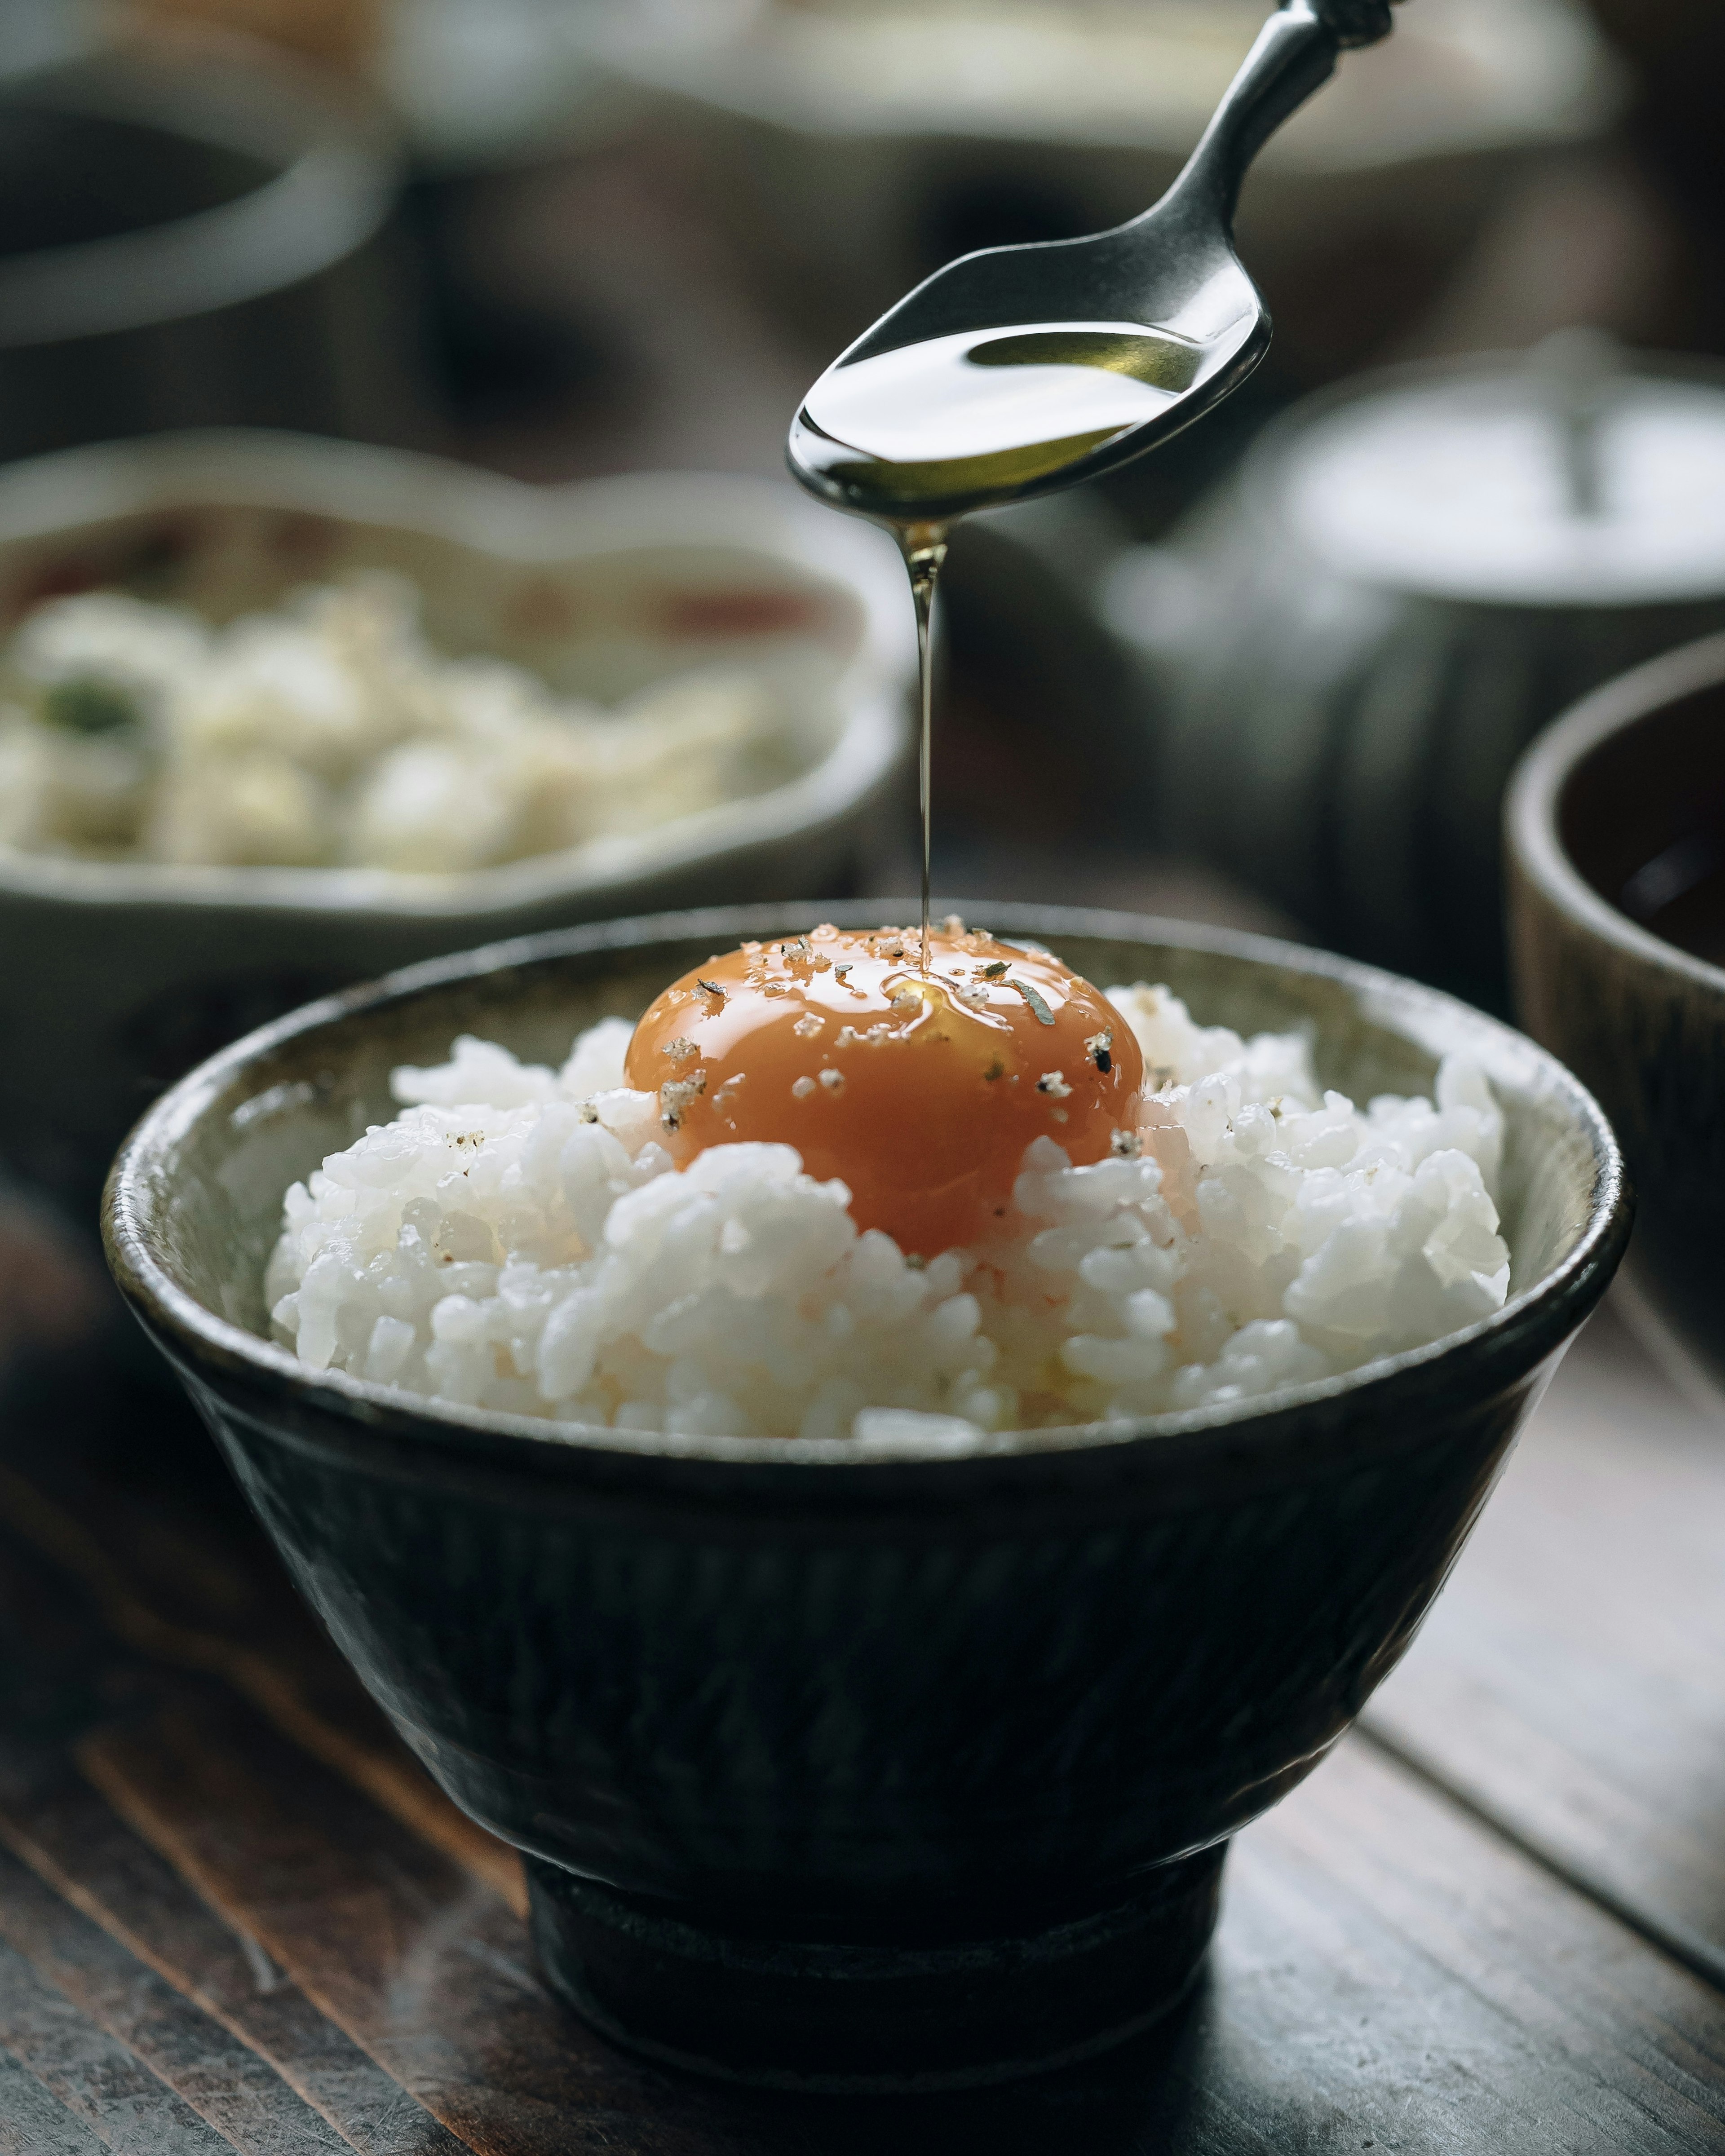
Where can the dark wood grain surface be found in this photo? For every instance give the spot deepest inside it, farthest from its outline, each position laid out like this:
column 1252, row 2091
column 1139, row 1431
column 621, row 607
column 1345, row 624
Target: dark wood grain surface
column 233, row 1914
column 1571, row 1685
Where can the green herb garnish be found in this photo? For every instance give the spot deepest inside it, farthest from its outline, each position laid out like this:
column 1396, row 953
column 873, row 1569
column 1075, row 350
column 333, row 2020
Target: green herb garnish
column 1044, row 1016
column 85, row 703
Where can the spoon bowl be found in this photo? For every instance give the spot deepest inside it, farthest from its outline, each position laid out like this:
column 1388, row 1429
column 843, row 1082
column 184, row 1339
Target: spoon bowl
column 1018, row 370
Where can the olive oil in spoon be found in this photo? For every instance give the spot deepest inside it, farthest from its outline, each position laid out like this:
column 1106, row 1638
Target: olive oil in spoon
column 952, row 422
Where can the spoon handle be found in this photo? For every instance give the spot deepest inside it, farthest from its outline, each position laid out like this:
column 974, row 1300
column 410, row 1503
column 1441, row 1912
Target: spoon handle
column 1356, row 22
column 1294, row 53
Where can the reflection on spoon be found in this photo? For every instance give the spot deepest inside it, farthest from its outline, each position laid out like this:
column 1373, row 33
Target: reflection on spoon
column 976, row 416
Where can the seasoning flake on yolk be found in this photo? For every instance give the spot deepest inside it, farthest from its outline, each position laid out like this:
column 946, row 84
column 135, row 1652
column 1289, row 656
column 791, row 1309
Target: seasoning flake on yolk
column 919, row 1091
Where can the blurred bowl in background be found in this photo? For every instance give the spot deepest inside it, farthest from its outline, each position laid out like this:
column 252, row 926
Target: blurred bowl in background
column 857, row 148
column 1346, row 647
column 483, row 88
column 42, row 33
column 488, row 98
column 1615, row 825
column 194, row 237
column 120, row 974
column 1037, row 741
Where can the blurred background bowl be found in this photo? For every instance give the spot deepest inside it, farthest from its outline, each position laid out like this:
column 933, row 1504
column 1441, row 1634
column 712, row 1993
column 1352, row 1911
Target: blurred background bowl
column 492, row 102
column 1616, row 835
column 194, row 236
column 122, row 974
column 861, row 146
column 1344, row 650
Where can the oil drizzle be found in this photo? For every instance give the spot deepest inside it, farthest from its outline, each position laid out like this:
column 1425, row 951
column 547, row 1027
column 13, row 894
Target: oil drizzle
column 916, row 436
column 924, row 547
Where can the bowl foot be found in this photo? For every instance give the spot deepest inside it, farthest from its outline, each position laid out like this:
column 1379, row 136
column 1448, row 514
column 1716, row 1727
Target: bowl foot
column 847, row 2017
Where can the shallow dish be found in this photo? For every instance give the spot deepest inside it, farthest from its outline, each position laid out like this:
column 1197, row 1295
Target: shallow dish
column 839, row 1765
column 1618, row 809
column 122, row 974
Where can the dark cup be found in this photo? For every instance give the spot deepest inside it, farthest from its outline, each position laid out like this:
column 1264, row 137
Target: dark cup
column 1616, row 837
column 837, row 1765
column 196, row 238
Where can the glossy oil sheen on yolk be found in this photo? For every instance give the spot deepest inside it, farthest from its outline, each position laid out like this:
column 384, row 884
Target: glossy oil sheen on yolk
column 920, row 1091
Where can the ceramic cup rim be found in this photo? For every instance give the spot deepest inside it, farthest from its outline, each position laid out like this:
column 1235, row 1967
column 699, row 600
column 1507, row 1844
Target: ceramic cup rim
column 1532, row 831
column 1490, row 1351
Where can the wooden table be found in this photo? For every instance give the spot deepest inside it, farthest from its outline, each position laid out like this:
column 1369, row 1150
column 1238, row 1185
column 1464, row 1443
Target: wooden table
column 233, row 1914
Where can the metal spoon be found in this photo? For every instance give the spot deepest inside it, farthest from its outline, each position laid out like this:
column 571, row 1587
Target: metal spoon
column 948, row 402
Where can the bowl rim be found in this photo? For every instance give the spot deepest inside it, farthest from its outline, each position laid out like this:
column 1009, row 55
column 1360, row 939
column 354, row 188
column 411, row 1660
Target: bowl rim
column 1535, row 793
column 338, row 165
column 516, row 523
column 377, row 1415
column 1590, row 91
column 1260, row 483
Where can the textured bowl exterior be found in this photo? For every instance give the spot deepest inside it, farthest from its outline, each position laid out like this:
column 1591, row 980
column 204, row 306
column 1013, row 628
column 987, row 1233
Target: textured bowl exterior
column 884, row 2015
column 1641, row 1021
column 805, row 1691
column 732, row 1692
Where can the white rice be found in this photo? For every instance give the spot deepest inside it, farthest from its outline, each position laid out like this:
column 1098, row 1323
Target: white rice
column 329, row 732
column 517, row 1239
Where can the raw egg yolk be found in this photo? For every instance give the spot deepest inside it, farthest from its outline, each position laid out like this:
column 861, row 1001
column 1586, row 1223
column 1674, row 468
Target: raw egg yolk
column 919, row 1090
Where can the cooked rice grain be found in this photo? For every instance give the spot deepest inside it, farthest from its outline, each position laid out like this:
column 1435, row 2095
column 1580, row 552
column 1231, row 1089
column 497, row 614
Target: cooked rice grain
column 517, row 1239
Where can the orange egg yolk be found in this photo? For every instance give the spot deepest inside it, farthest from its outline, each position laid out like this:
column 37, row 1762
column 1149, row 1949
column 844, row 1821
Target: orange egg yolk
column 919, row 1089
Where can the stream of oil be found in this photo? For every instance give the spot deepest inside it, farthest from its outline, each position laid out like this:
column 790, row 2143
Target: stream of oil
column 924, row 547
column 916, row 437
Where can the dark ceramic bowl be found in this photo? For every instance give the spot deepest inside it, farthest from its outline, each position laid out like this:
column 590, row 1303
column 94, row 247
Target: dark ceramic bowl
column 835, row 1768
column 195, row 235
column 1616, row 836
